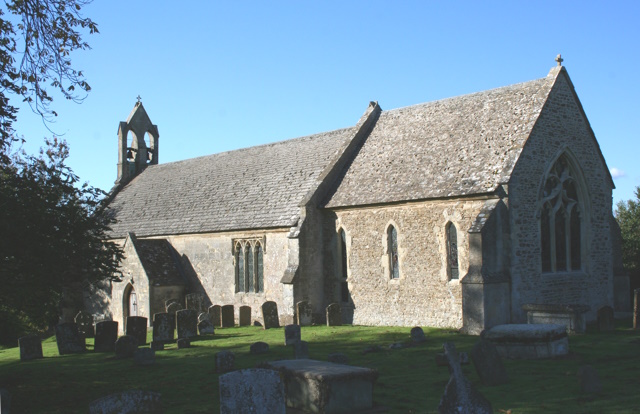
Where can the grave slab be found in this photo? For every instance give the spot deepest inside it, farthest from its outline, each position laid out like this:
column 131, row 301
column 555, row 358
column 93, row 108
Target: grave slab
column 529, row 341
column 257, row 391
column 571, row 316
column 128, row 402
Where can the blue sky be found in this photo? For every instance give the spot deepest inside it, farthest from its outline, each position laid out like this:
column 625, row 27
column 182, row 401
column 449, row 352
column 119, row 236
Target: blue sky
column 216, row 76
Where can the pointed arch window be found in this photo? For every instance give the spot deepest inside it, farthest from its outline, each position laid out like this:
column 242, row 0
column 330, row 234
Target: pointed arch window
column 561, row 220
column 249, row 267
column 452, row 251
column 392, row 249
column 342, row 254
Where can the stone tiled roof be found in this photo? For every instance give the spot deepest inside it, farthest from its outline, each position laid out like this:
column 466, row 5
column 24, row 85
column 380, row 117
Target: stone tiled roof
column 453, row 147
column 257, row 187
column 159, row 262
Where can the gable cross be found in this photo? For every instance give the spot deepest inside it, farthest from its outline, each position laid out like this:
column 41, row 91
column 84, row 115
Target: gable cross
column 140, row 99
column 559, row 60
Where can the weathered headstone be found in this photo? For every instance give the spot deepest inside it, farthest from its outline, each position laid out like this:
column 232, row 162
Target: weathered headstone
column 417, row 335
column 126, row 346
column 144, row 356
column 137, row 327
column 106, row 336
column 5, row 401
column 227, row 313
column 162, row 327
column 157, row 345
column 301, row 350
column 187, row 323
column 205, row 327
column 69, row 339
column 460, row 396
column 605, row 319
column 128, row 402
column 259, row 391
column 183, row 343
column 169, row 302
column 244, row 315
column 225, row 361
column 258, row 348
column 270, row 315
column 216, row 315
column 84, row 320
column 334, row 315
column 174, row 307
column 589, row 380
column 338, row 358
column 304, row 313
column 488, row 363
column 30, row 347
column 291, row 334
column 195, row 301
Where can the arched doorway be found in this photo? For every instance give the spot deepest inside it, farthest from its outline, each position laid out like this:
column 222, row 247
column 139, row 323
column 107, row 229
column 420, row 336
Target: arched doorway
column 130, row 302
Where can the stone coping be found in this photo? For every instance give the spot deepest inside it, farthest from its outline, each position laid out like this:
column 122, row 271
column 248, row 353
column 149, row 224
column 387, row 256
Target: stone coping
column 555, row 308
column 533, row 332
column 322, row 370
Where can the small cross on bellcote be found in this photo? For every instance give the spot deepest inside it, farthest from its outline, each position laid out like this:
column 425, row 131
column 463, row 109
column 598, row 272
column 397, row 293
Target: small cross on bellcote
column 140, row 99
column 559, row 60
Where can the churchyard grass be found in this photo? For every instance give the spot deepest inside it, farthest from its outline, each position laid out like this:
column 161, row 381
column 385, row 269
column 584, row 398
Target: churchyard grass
column 409, row 381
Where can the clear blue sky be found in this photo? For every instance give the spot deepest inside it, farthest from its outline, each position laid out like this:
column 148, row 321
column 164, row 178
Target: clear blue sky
column 216, row 76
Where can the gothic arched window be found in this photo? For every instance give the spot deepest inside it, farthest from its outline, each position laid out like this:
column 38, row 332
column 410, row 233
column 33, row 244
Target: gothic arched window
column 248, row 251
column 560, row 220
column 452, row 251
column 239, row 268
column 249, row 265
column 342, row 251
column 259, row 268
column 392, row 250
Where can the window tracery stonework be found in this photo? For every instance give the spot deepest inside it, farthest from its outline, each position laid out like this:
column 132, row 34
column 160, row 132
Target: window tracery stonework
column 248, row 256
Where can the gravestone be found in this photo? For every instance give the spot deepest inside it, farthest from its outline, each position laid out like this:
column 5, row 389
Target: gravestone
column 169, row 302
column 5, row 401
column 84, row 320
column 195, row 301
column 460, row 396
column 174, row 307
column 216, row 316
column 270, row 315
column 69, row 339
column 205, row 327
column 128, row 402
column 488, row 363
column 225, row 361
column 258, row 348
column 162, row 327
column 30, row 347
column 338, row 358
column 304, row 313
column 183, row 343
column 259, row 391
column 417, row 335
column 605, row 319
column 106, row 336
column 126, row 346
column 244, row 316
column 227, row 313
column 137, row 327
column 301, row 350
column 291, row 334
column 334, row 315
column 157, row 345
column 144, row 356
column 187, row 323
column 589, row 380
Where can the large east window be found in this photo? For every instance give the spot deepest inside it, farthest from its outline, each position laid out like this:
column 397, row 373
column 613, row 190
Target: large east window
column 249, row 268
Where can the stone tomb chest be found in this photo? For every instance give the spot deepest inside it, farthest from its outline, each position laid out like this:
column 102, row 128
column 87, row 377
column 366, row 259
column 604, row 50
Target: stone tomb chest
column 325, row 387
column 529, row 341
column 572, row 316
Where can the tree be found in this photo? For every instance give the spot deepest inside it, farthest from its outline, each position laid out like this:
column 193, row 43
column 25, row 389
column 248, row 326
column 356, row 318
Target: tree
column 628, row 217
column 53, row 234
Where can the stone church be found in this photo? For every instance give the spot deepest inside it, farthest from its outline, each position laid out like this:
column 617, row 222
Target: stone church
column 453, row 213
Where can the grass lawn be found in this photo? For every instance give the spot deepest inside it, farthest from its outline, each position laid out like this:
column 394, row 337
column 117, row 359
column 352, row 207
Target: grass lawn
column 409, row 381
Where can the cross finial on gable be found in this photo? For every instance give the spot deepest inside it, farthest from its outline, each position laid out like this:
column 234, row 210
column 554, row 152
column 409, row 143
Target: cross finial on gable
column 559, row 60
column 140, row 99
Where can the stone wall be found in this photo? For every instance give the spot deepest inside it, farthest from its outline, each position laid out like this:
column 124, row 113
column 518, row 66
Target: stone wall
column 423, row 295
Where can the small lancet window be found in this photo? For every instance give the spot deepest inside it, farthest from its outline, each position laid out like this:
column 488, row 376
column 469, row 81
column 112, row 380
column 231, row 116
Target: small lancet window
column 452, row 251
column 239, row 268
column 259, row 268
column 250, row 270
column 392, row 249
column 344, row 285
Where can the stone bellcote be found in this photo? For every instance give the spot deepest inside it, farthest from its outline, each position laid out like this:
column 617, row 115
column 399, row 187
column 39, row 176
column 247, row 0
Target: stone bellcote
column 137, row 144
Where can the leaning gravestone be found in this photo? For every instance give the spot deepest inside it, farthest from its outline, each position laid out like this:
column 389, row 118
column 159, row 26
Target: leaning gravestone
column 334, row 315
column 106, row 336
column 84, row 320
column 187, row 323
column 227, row 313
column 605, row 319
column 225, row 361
column 270, row 315
column 126, row 346
column 137, row 327
column 162, row 327
column 216, row 316
column 291, row 334
column 69, row 339
column 30, row 348
column 304, row 313
column 205, row 327
column 195, row 301
column 460, row 396
column 244, row 316
column 301, row 350
column 417, row 335
column 127, row 402
column 488, row 363
column 259, row 391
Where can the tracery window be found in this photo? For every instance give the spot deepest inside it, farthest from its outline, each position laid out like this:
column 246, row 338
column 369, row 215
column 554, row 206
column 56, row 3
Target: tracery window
column 560, row 220
column 392, row 250
column 249, row 266
column 342, row 251
column 452, row 251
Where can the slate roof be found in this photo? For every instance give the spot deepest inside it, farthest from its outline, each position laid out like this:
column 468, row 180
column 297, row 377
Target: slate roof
column 452, row 147
column 257, row 187
column 159, row 262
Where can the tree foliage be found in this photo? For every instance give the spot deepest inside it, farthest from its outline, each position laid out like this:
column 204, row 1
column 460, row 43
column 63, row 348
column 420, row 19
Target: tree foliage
column 53, row 234
column 628, row 217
